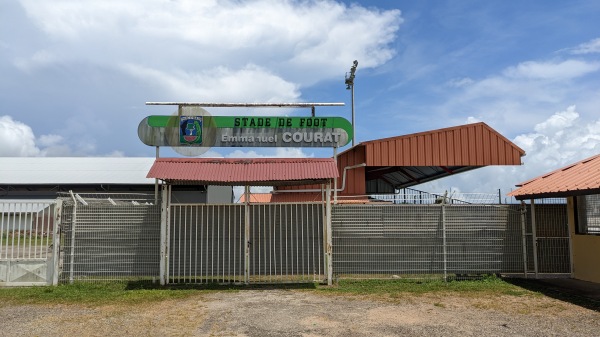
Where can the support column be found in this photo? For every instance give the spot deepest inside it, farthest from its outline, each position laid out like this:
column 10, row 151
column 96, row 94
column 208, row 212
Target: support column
column 524, row 236
column 164, row 234
column 534, row 238
column 73, row 228
column 444, row 244
column 328, row 250
column 335, row 184
column 56, row 241
column 247, row 234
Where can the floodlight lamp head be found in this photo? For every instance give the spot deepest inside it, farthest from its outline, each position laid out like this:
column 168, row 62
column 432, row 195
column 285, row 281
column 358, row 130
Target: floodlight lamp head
column 350, row 78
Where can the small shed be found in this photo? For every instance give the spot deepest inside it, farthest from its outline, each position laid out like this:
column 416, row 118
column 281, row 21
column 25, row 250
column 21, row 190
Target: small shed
column 580, row 184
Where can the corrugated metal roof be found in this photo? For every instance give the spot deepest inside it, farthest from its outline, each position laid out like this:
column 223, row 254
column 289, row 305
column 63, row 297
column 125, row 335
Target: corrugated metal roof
column 300, row 197
column 229, row 171
column 74, row 170
column 579, row 178
column 474, row 144
column 413, row 159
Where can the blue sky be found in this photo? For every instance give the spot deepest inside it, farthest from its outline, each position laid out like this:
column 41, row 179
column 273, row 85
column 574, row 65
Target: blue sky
column 75, row 74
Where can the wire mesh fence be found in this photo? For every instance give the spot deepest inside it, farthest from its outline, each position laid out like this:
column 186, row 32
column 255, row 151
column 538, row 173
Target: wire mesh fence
column 426, row 241
column 416, row 197
column 106, row 238
column 113, row 238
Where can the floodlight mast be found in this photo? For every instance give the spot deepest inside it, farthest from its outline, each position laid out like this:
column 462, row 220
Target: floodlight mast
column 350, row 86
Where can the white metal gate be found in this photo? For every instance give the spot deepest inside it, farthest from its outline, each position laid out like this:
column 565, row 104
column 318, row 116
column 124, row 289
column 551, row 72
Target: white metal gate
column 29, row 232
column 236, row 243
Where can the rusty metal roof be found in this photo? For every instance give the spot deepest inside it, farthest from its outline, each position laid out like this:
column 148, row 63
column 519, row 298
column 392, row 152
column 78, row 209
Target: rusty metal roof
column 255, row 172
column 579, row 178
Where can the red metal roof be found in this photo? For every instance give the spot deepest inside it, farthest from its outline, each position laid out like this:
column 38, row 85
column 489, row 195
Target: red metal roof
column 300, row 197
column 413, row 159
column 579, row 178
column 229, row 171
column 474, row 144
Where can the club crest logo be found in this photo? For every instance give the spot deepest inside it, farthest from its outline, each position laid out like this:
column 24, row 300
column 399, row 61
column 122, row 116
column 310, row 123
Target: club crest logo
column 190, row 130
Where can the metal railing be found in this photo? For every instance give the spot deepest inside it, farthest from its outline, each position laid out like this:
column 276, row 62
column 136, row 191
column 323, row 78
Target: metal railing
column 26, row 229
column 417, row 197
column 207, row 243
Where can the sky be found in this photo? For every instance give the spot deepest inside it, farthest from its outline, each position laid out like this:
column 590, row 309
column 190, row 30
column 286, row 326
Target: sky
column 75, row 75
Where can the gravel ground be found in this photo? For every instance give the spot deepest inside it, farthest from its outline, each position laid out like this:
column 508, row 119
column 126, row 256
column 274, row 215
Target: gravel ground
column 307, row 313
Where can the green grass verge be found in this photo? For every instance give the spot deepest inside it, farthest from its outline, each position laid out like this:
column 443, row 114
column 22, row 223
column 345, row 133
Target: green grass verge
column 138, row 292
column 93, row 294
column 490, row 285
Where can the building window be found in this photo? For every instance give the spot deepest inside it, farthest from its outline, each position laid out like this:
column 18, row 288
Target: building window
column 588, row 214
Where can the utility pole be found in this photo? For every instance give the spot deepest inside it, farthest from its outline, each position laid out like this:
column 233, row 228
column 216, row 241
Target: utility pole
column 350, row 86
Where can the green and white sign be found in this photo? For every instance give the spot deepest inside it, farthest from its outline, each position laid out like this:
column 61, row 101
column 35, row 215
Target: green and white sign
column 244, row 131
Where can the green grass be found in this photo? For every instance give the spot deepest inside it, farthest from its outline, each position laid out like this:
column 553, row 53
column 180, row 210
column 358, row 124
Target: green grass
column 25, row 240
column 491, row 285
column 94, row 294
column 143, row 291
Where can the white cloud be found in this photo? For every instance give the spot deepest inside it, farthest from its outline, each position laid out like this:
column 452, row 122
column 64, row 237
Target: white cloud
column 556, row 71
column 303, row 42
column 280, row 152
column 39, row 59
column 519, row 96
column 249, row 84
column 17, row 139
column 471, row 120
column 589, row 47
column 561, row 139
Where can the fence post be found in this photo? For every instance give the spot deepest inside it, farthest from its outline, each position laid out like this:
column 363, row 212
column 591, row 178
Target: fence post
column 524, row 236
column 247, row 234
column 444, row 237
column 56, row 241
column 328, row 252
column 73, row 226
column 164, row 227
column 534, row 238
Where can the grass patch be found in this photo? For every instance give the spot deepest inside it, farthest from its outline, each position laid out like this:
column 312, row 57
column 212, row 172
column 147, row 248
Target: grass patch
column 490, row 285
column 94, row 294
column 136, row 292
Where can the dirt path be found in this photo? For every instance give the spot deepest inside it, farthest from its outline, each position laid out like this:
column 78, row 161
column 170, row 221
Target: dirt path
column 307, row 313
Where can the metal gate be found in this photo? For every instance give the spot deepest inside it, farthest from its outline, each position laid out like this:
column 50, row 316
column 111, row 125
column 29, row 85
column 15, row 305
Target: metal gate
column 28, row 232
column 256, row 243
column 547, row 236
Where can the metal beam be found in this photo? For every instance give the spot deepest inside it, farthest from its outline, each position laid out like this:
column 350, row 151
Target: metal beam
column 247, row 105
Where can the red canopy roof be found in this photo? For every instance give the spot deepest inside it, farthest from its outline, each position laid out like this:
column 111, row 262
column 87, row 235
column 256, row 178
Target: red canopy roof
column 576, row 179
column 229, row 171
